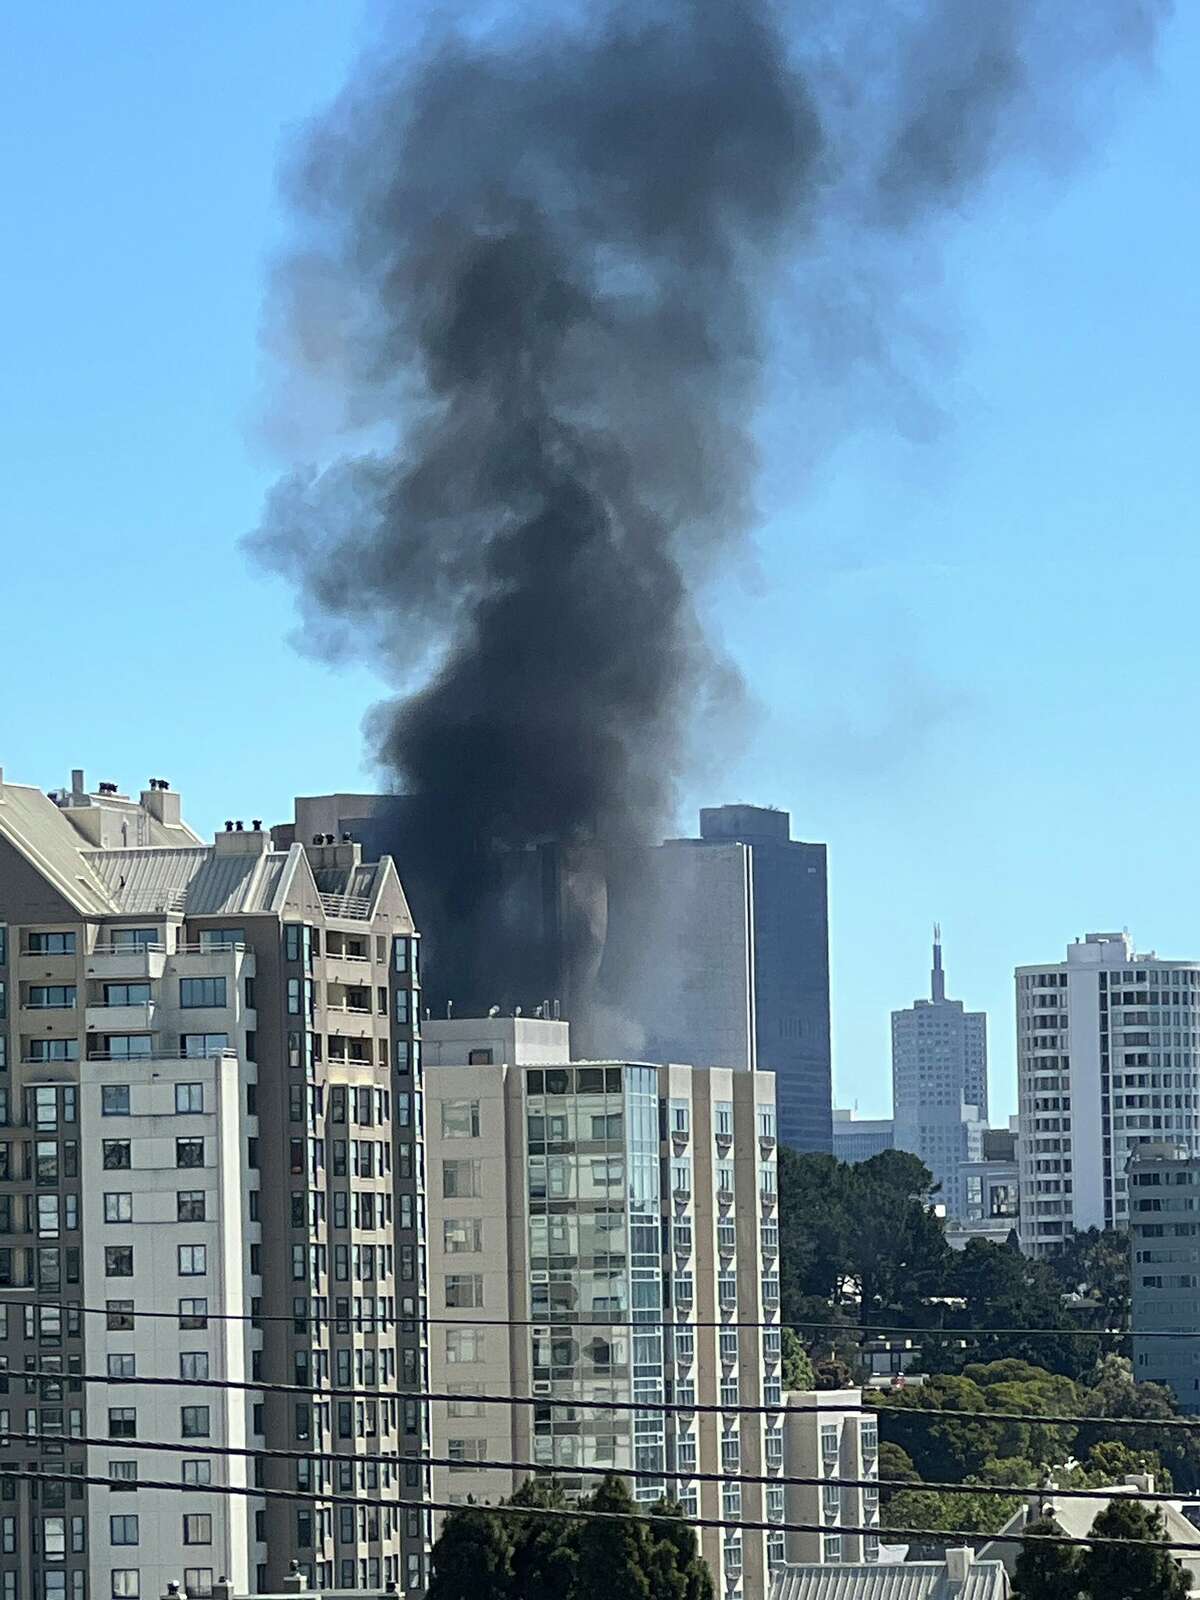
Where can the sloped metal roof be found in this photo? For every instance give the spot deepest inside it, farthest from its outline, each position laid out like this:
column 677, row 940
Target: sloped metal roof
column 201, row 882
column 35, row 827
column 908, row 1580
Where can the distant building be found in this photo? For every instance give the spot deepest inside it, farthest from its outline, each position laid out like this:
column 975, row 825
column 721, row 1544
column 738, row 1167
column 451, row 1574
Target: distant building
column 570, row 1201
column 1164, row 1241
column 858, row 1138
column 1108, row 1058
column 939, row 1084
column 827, row 1435
column 960, row 1576
column 1076, row 1517
column 991, row 1191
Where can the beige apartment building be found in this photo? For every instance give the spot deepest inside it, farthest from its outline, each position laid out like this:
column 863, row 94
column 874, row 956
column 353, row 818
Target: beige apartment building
column 210, row 1109
column 827, row 1435
column 604, row 1231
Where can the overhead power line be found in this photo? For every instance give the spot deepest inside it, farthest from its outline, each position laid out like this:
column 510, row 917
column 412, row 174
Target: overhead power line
column 572, row 1319
column 667, row 1520
column 570, row 1402
column 571, row 1470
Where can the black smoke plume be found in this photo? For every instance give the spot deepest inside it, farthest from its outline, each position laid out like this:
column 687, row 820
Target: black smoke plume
column 539, row 267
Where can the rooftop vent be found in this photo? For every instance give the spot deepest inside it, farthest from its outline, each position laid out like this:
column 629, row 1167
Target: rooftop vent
column 257, row 824
column 240, row 826
column 228, row 825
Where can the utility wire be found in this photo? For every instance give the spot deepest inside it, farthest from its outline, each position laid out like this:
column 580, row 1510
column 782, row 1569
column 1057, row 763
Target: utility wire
column 571, row 1319
column 568, row 1402
column 561, row 1470
column 588, row 1514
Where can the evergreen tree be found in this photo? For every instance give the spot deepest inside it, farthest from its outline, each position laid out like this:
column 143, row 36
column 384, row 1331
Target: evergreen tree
column 473, row 1558
column 613, row 1553
column 677, row 1570
column 1124, row 1572
column 1046, row 1571
column 544, row 1553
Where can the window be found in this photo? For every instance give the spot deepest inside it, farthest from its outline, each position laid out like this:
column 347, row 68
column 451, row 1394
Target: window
column 126, row 994
column 193, row 1313
column 460, row 1119
column 118, row 1261
column 464, row 1344
column 123, row 1366
column 125, row 1584
column 193, row 1260
column 52, row 944
column 189, row 1097
column 135, row 938
column 189, row 1152
column 114, row 1100
column 460, row 1180
column 193, row 1422
column 193, row 1364
column 196, row 992
column 221, row 938
column 195, row 1045
column 197, row 1473
column 479, row 1058
column 118, row 1208
column 115, row 1155
column 128, row 1046
column 122, row 1422
column 197, row 1581
column 197, row 1529
column 51, row 996
column 462, row 1235
column 189, row 1205
column 119, row 1318
column 125, row 1472
column 464, row 1290
column 53, row 1049
column 123, row 1530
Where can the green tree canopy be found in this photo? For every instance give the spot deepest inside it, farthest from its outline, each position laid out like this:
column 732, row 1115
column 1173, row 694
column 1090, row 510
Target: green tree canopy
column 1046, row 1571
column 1115, row 1572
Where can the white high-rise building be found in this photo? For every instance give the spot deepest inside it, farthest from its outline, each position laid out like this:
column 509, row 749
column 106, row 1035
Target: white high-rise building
column 1108, row 1058
column 939, row 1084
column 606, row 1231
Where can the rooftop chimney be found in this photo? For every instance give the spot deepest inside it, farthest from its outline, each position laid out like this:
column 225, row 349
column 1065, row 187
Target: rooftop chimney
column 959, row 1562
column 162, row 805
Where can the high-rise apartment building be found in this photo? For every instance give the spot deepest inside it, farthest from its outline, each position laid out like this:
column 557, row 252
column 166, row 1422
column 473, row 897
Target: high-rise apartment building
column 1108, row 1058
column 737, row 920
column 605, row 1231
column 1164, row 1242
column 210, row 1110
column 939, row 1083
column 828, row 1436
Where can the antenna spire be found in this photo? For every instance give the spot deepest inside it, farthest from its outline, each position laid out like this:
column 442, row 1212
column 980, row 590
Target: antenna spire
column 937, row 977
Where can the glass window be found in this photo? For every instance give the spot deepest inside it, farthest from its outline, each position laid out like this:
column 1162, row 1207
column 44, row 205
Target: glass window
column 462, row 1235
column 52, row 944
column 125, row 1583
column 193, row 1364
column 190, row 1205
column 464, row 1344
column 204, row 1044
column 193, row 1313
column 460, row 1119
column 53, row 1049
column 114, row 1100
column 123, row 1530
column 134, row 938
column 122, row 1422
column 126, row 994
column 460, row 1180
column 194, row 1422
column 221, row 938
column 193, row 1260
column 128, row 1046
column 118, row 1260
column 115, row 1154
column 464, row 1290
column 189, row 1152
column 51, row 996
column 125, row 1472
column 196, row 992
column 197, row 1528
column 122, row 1366
column 189, row 1097
column 197, row 1473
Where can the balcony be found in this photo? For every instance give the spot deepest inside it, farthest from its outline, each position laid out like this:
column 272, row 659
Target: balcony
column 725, row 1194
column 122, row 1019
column 117, row 962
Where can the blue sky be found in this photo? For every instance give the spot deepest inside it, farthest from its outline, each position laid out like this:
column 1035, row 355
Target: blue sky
column 972, row 660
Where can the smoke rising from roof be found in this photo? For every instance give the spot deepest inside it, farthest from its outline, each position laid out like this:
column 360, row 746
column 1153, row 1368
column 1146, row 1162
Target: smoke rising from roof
column 536, row 273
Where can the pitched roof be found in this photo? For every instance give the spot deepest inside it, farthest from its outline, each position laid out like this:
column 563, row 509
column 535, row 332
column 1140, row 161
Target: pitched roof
column 35, row 827
column 201, row 881
column 908, row 1580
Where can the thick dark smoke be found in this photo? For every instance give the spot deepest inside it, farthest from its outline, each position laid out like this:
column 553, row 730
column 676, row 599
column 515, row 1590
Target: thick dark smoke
column 537, row 268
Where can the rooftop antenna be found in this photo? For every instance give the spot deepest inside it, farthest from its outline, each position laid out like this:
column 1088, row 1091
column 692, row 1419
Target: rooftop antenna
column 937, row 976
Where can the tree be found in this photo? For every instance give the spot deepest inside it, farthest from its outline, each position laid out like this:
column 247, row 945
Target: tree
column 895, row 1466
column 1096, row 1263
column 614, row 1555
column 1046, row 1571
column 1123, row 1572
column 472, row 1559
column 544, row 1554
column 678, row 1572
column 797, row 1365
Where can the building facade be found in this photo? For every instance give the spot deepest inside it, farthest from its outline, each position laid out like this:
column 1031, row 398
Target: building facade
column 939, row 1084
column 599, row 1230
column 1108, row 1058
column 210, row 1137
column 858, row 1138
column 991, row 1192
column 1164, row 1242
column 827, row 1435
